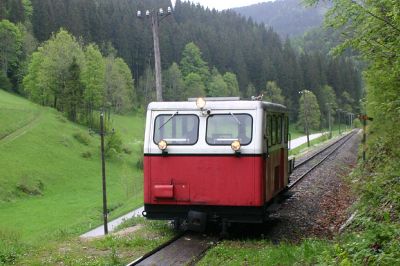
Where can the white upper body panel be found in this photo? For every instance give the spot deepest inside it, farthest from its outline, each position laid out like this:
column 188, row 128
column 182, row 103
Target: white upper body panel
column 232, row 110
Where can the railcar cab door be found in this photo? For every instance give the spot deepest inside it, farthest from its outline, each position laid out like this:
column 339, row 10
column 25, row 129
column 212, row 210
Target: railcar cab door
column 276, row 141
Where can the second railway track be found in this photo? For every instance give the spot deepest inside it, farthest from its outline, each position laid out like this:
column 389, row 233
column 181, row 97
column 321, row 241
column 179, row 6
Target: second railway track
column 307, row 165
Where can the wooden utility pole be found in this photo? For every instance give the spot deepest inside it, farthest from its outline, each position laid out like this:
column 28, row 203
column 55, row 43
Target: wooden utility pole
column 157, row 57
column 103, row 172
column 156, row 16
column 304, row 92
column 329, row 121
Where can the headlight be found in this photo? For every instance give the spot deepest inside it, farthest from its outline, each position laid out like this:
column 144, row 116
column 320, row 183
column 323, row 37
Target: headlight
column 200, row 102
column 235, row 145
column 162, row 145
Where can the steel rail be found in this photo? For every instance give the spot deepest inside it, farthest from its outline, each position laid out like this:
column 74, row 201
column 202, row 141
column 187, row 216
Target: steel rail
column 345, row 139
column 195, row 244
column 321, row 151
column 157, row 249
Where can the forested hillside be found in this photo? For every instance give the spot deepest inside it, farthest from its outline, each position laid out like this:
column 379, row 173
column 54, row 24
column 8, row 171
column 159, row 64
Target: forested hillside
column 228, row 43
column 286, row 17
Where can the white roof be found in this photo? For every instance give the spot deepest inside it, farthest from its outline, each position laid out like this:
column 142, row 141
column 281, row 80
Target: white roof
column 218, row 105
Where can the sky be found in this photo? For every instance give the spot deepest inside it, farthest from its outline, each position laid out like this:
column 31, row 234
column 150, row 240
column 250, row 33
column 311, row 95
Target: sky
column 225, row 4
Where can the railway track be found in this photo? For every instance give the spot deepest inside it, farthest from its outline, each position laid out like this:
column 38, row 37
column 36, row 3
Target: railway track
column 184, row 249
column 188, row 247
column 305, row 166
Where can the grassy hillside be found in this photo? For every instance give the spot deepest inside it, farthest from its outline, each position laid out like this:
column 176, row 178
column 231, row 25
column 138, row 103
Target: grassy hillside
column 48, row 187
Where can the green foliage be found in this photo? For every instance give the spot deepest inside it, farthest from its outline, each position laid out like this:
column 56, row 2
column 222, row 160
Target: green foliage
column 372, row 28
column 194, row 86
column 119, row 90
column 328, row 104
column 48, row 71
column 86, row 154
column 11, row 247
column 28, row 9
column 82, row 138
column 217, row 86
column 309, row 112
column 10, row 49
column 250, row 91
column 232, row 83
column 192, row 62
column 228, row 42
column 72, row 97
column 5, row 83
column 273, row 93
column 262, row 252
column 113, row 145
column 347, row 102
column 93, row 77
column 30, row 186
column 174, row 84
column 146, row 87
column 78, row 80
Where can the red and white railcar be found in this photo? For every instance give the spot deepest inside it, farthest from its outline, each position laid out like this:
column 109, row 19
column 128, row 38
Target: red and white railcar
column 218, row 159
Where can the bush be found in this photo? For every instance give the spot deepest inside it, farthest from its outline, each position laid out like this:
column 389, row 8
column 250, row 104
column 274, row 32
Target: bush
column 127, row 150
column 83, row 138
column 113, row 145
column 30, row 187
column 5, row 83
column 86, row 154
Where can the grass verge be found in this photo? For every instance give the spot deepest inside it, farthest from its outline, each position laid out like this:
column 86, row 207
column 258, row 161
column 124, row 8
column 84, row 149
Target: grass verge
column 114, row 249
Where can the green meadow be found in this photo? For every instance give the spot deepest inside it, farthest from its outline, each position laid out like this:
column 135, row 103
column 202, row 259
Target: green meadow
column 50, row 171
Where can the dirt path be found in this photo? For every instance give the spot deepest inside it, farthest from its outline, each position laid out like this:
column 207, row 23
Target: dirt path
column 20, row 131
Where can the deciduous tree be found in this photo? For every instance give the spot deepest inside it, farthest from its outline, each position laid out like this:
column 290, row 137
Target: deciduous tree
column 217, row 86
column 174, row 84
column 10, row 48
column 232, row 83
column 194, row 86
column 273, row 93
column 309, row 112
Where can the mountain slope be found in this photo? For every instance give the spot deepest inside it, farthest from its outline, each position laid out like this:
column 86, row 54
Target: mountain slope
column 287, row 17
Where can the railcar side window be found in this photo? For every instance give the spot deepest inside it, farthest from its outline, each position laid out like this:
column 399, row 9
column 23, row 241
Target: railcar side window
column 279, row 129
column 269, row 130
column 222, row 129
column 273, row 130
column 286, row 136
column 176, row 129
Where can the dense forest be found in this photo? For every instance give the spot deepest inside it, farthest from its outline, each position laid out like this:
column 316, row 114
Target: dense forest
column 228, row 44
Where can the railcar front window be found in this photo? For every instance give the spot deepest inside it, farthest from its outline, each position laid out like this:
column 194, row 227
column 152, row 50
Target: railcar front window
column 222, row 129
column 176, row 129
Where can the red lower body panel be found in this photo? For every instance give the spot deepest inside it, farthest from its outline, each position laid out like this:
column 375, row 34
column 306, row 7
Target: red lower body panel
column 204, row 180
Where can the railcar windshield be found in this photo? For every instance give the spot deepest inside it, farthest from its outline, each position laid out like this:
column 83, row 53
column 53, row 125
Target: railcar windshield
column 176, row 129
column 222, row 129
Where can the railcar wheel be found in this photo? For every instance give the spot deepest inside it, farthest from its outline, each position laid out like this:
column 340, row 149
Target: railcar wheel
column 177, row 224
column 225, row 225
